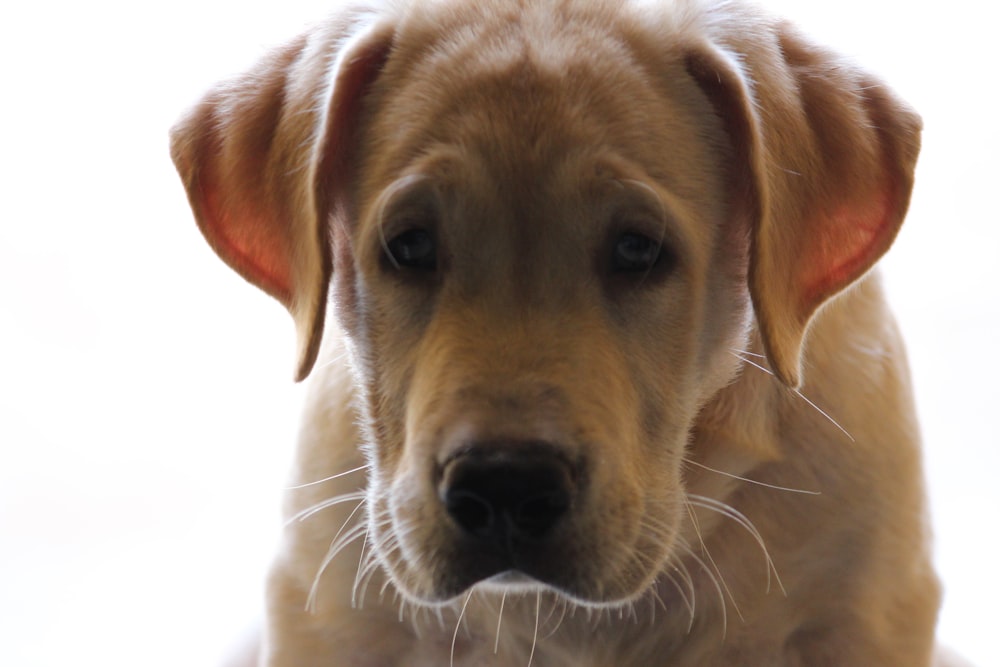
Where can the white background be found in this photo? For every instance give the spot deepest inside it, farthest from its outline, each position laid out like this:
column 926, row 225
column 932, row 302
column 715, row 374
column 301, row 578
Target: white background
column 146, row 407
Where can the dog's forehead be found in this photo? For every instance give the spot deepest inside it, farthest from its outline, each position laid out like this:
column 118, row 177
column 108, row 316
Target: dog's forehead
column 527, row 91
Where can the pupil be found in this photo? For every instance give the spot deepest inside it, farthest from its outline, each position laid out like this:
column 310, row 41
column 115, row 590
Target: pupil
column 414, row 249
column 636, row 252
column 414, row 245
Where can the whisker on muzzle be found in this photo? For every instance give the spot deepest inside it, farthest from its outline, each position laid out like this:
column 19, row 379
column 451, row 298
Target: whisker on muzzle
column 344, row 537
column 365, row 574
column 564, row 605
column 326, row 504
column 730, row 512
column 704, row 549
column 496, row 642
column 327, row 479
column 688, row 598
column 458, row 626
column 534, row 637
column 357, row 577
column 715, row 582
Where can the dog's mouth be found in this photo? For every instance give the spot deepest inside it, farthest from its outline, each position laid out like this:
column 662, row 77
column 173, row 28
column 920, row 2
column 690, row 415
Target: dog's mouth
column 520, row 517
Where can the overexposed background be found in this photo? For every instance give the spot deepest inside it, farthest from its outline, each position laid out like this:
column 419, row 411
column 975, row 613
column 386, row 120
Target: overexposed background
column 146, row 405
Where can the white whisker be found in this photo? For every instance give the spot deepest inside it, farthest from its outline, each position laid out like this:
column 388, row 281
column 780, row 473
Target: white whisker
column 458, row 624
column 439, row 614
column 339, row 541
column 357, row 577
column 552, row 610
column 798, row 393
column 534, row 638
column 371, row 566
column 718, row 588
column 496, row 643
column 385, row 587
column 753, row 481
column 346, row 521
column 732, row 513
column 325, row 504
column 828, row 417
column 654, row 597
column 563, row 604
column 327, row 479
column 689, row 603
column 333, row 361
column 708, row 554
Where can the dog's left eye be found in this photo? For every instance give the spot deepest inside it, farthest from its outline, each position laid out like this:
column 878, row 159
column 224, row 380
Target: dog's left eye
column 413, row 249
column 635, row 253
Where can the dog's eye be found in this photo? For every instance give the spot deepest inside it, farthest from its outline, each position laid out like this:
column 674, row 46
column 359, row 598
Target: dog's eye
column 413, row 249
column 635, row 253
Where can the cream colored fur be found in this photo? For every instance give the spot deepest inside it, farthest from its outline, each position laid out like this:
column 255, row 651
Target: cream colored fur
column 745, row 461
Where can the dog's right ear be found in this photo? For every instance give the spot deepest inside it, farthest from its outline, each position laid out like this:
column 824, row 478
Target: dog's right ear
column 265, row 159
column 824, row 156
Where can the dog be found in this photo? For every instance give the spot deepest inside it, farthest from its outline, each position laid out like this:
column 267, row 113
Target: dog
column 608, row 377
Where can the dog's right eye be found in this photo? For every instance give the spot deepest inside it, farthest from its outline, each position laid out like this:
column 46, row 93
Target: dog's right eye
column 635, row 253
column 412, row 249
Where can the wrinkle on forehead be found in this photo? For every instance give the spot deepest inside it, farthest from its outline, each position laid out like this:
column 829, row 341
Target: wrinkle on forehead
column 515, row 84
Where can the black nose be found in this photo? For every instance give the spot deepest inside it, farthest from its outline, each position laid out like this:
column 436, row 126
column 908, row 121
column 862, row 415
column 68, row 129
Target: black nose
column 501, row 493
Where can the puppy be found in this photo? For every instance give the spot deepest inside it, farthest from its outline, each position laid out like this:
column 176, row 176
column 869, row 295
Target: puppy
column 608, row 380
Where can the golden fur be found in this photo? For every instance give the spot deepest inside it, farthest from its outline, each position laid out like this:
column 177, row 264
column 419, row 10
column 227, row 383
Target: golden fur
column 717, row 514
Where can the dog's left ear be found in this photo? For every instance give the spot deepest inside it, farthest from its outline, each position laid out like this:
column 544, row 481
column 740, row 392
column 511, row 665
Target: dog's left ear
column 825, row 156
column 265, row 159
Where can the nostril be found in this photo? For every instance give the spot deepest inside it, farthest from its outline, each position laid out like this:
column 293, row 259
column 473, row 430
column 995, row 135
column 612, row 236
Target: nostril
column 474, row 514
column 499, row 492
column 535, row 515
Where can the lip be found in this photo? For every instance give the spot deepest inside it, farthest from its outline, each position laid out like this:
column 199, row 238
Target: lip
column 513, row 580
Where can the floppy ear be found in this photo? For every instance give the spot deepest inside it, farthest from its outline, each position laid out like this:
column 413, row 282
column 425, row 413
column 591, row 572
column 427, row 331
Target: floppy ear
column 265, row 159
column 824, row 168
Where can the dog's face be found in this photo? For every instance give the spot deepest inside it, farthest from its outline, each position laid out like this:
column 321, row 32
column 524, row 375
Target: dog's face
column 548, row 227
column 540, row 292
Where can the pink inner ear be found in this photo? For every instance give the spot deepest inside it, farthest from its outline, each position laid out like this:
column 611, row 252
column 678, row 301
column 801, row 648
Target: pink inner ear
column 853, row 238
column 246, row 240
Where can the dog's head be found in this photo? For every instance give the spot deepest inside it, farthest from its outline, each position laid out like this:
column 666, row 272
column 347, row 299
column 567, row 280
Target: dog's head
column 546, row 225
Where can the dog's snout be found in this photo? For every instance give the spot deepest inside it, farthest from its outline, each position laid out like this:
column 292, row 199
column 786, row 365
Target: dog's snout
column 504, row 494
